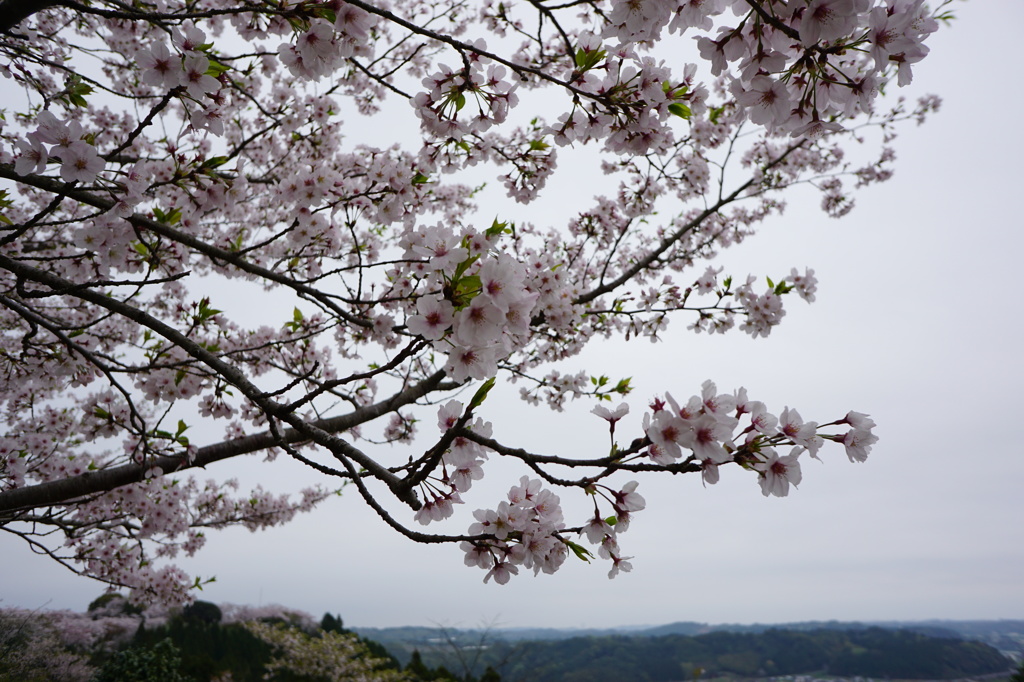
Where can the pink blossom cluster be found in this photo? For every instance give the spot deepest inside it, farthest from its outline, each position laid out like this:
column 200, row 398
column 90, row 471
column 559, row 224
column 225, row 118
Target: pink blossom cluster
column 479, row 84
column 324, row 46
column 80, row 162
column 106, row 629
column 461, row 465
column 187, row 71
column 34, row 647
column 796, row 65
column 244, row 613
column 528, row 530
column 484, row 303
column 706, row 431
column 631, row 99
column 801, row 67
column 172, row 514
column 520, row 532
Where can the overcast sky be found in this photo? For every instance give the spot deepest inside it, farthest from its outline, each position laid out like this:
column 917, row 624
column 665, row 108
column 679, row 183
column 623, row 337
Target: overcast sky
column 918, row 322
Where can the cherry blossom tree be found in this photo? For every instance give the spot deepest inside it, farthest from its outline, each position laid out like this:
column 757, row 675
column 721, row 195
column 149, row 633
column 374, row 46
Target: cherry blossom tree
column 323, row 656
column 167, row 165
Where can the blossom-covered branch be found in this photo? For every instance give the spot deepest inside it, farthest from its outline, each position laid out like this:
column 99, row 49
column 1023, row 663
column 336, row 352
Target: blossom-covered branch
column 196, row 235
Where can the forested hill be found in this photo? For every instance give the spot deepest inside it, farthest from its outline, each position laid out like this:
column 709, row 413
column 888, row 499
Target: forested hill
column 871, row 652
column 1002, row 634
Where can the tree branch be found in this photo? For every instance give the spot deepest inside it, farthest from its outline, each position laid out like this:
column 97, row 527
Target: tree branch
column 208, row 250
column 54, row 492
column 668, row 241
column 13, row 12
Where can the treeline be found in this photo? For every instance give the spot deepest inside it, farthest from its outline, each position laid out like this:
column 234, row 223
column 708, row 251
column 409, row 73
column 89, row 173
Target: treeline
column 209, row 650
column 871, row 652
column 196, row 645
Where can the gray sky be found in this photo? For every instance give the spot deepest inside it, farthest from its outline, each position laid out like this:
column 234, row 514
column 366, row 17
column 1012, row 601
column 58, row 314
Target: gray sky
column 917, row 323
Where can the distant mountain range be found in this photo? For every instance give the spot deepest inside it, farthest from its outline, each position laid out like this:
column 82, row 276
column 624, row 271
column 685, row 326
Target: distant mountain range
column 933, row 649
column 1005, row 635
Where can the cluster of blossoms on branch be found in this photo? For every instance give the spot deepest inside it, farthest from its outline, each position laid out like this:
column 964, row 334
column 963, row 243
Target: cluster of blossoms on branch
column 701, row 436
column 166, row 166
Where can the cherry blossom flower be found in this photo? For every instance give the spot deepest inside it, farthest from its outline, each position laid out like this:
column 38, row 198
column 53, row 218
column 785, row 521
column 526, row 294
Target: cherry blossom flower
column 448, row 414
column 620, row 565
column 596, row 529
column 806, row 284
column 858, row 444
column 188, row 37
column 628, row 500
column 501, row 572
column 801, row 433
column 778, row 473
column 766, row 101
column 161, row 68
column 32, row 158
column 611, row 416
column 195, row 78
column 828, row 20
column 80, row 162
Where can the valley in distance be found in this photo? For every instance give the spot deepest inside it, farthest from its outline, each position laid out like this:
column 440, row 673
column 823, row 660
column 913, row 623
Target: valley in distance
column 799, row 652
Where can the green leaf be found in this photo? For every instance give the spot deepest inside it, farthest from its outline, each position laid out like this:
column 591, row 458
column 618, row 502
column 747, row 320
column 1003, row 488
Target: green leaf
column 236, row 245
column 496, row 229
column 680, row 110
column 216, row 69
column 538, row 145
column 327, row 13
column 481, row 394
column 580, row 551
column 468, row 285
column 677, row 91
column 170, row 217
column 213, row 162
column 205, row 312
column 76, row 91
column 586, row 60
